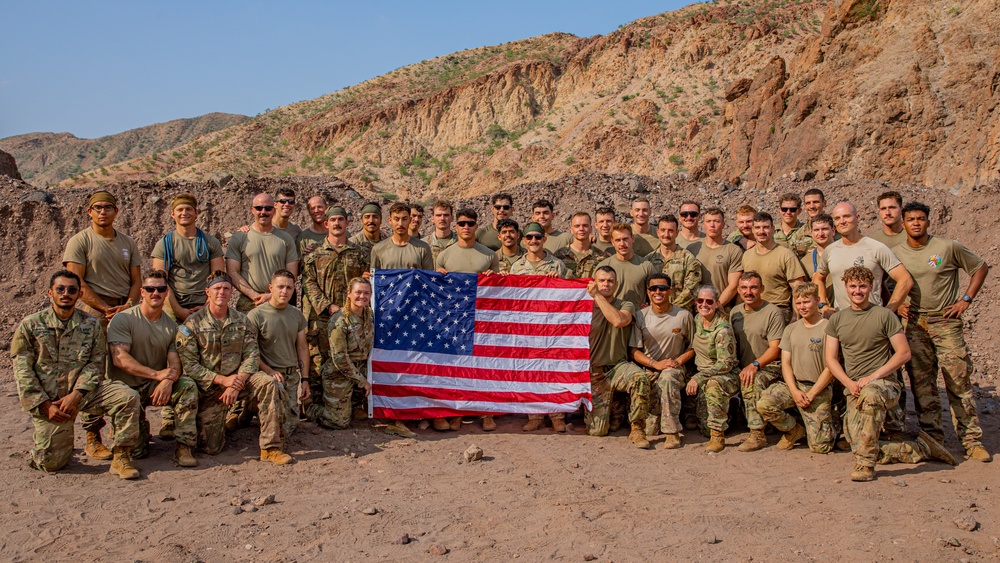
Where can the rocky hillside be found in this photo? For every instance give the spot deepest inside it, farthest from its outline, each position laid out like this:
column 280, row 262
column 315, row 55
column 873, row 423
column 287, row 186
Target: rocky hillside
column 745, row 91
column 49, row 158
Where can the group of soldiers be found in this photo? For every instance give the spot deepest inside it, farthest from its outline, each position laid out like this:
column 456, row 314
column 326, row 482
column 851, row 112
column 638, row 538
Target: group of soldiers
column 805, row 324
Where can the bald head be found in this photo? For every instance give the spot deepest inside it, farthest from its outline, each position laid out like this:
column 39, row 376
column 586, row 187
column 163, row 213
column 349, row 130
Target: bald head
column 263, row 210
column 845, row 220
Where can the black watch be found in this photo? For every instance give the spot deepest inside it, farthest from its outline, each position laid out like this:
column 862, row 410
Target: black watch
column 755, row 364
column 966, row 298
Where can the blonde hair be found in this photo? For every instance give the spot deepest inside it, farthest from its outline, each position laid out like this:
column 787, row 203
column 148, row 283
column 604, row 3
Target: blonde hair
column 367, row 312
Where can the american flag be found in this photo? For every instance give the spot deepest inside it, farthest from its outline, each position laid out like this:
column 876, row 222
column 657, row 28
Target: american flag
column 467, row 344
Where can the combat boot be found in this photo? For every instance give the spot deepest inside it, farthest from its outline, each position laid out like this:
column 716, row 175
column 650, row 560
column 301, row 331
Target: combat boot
column 935, row 450
column 717, row 442
column 489, row 425
column 275, row 455
column 455, row 424
column 94, row 448
column 184, row 457
column 638, row 436
column 787, row 441
column 979, row 453
column 398, row 428
column 559, row 424
column 533, row 424
column 167, row 430
column 359, row 413
column 671, row 441
column 121, row 464
column 755, row 441
column 441, row 425
column 862, row 473
column 232, row 422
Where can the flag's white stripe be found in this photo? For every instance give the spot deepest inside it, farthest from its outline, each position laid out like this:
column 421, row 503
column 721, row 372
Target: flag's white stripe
column 534, row 293
column 490, row 385
column 522, row 341
column 534, row 318
column 521, row 364
column 480, row 406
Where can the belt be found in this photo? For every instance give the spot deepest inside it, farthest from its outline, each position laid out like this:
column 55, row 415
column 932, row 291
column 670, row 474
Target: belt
column 287, row 371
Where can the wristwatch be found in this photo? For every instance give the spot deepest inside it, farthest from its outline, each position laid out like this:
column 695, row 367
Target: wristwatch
column 755, row 364
column 966, row 298
column 822, row 305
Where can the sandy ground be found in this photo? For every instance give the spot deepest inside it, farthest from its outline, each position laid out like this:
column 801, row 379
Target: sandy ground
column 533, row 497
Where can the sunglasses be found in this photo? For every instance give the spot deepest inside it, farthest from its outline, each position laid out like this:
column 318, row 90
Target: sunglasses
column 263, row 207
column 533, row 237
column 789, row 209
column 658, row 288
column 286, row 201
column 689, row 214
column 154, row 288
column 68, row 290
column 502, row 207
column 466, row 223
column 706, row 301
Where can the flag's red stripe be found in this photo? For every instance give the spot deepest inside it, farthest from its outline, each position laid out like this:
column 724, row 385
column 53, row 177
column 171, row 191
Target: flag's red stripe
column 534, row 306
column 494, row 280
column 469, row 395
column 531, row 353
column 481, row 373
column 531, row 329
column 419, row 413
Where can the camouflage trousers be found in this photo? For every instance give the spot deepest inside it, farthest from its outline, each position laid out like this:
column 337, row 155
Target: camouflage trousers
column 752, row 393
column 261, row 394
column 817, row 417
column 863, row 422
column 712, row 400
column 318, row 340
column 604, row 381
column 666, row 397
column 53, row 441
column 290, row 392
column 184, row 406
column 936, row 342
column 334, row 410
column 244, row 304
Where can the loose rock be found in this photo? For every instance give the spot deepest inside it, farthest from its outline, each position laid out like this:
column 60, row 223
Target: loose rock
column 966, row 522
column 589, row 557
column 370, row 511
column 265, row 500
column 403, row 539
column 898, row 482
column 711, row 539
column 437, row 549
column 474, row 453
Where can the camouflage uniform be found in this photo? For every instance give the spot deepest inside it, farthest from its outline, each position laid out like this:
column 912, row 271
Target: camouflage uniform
column 325, row 274
column 718, row 372
column 684, row 271
column 439, row 244
column 580, row 266
column 351, row 340
column 799, row 240
column 863, row 421
column 604, row 382
column 817, row 417
column 209, row 347
column 52, row 358
column 666, row 397
column 507, row 261
column 938, row 342
column 183, row 403
column 366, row 245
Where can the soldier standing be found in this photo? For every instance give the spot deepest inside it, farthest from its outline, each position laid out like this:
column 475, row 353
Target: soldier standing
column 502, row 206
column 509, row 236
column 721, row 260
column 443, row 235
column 252, row 257
column 580, row 257
column 792, row 233
column 371, row 228
column 678, row 263
column 630, row 269
column 310, row 238
column 646, row 240
column 778, row 267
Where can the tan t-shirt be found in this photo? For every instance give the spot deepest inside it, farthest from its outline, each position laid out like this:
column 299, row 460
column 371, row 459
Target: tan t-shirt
column 645, row 243
column 149, row 342
column 108, row 262
column 631, row 276
column 935, row 270
column 717, row 263
column 685, row 242
column 276, row 331
column 867, row 252
column 888, row 240
column 755, row 329
column 309, row 240
column 805, row 345
column 864, row 338
column 292, row 229
column 261, row 254
column 609, row 345
column 415, row 254
column 604, row 247
column 474, row 260
column 488, row 237
column 662, row 335
column 187, row 276
column 777, row 268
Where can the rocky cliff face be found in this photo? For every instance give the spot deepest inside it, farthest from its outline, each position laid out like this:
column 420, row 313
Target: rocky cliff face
column 8, row 166
column 742, row 91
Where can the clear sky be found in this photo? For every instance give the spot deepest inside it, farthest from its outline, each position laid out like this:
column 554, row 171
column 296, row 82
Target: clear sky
column 96, row 68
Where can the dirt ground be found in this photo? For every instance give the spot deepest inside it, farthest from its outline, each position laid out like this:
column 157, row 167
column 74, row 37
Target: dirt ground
column 539, row 496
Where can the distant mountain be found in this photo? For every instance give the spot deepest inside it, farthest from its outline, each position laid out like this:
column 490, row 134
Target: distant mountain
column 49, row 158
column 744, row 91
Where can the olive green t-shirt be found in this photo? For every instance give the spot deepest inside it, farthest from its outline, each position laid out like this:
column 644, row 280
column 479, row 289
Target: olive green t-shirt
column 717, row 263
column 415, row 254
column 187, row 276
column 645, row 243
column 149, row 342
column 806, row 347
column 631, row 276
column 755, row 329
column 276, row 331
column 864, row 338
column 609, row 345
column 935, row 270
column 292, row 229
column 662, row 335
column 108, row 262
column 604, row 247
column 777, row 268
column 685, row 242
column 474, row 260
column 488, row 237
column 309, row 240
column 888, row 240
column 261, row 254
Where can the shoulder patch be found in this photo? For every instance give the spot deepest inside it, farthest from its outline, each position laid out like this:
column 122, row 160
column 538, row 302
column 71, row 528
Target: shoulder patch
column 183, row 329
